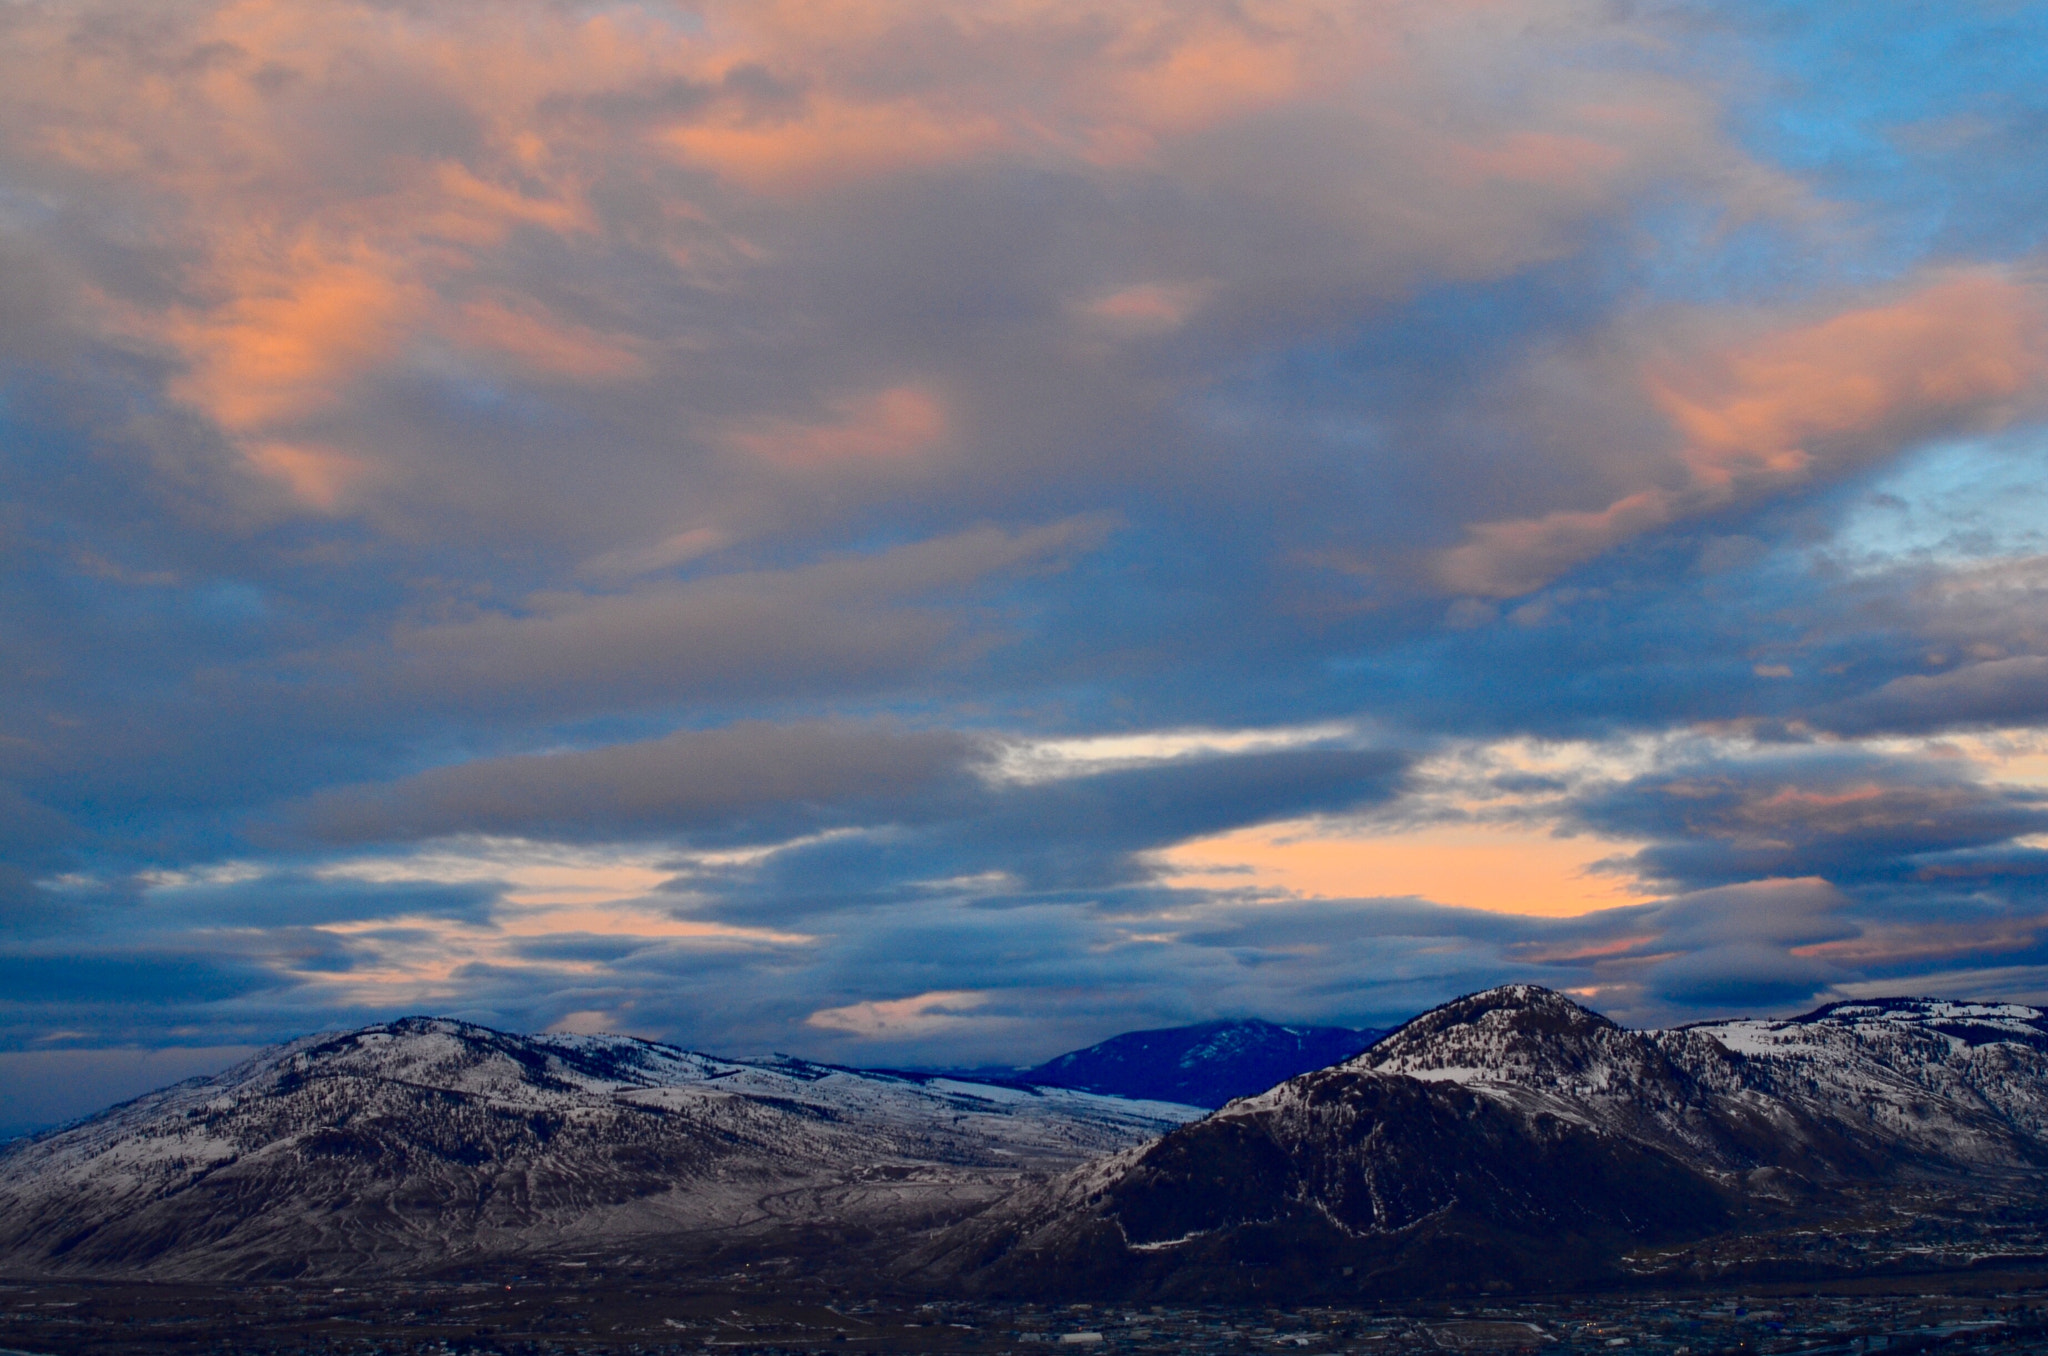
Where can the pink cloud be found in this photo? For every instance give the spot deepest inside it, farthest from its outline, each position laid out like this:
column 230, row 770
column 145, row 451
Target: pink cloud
column 1854, row 387
column 888, row 426
column 1763, row 412
column 343, row 199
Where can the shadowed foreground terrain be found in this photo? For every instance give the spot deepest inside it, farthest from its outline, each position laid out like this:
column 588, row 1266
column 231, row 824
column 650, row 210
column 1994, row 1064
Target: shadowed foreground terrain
column 559, row 1311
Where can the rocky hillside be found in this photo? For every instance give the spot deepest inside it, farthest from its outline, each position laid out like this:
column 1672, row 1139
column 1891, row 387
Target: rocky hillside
column 1511, row 1140
column 424, row 1143
column 1515, row 1140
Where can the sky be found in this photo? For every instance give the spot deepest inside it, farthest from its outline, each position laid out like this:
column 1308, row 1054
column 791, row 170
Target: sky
column 937, row 531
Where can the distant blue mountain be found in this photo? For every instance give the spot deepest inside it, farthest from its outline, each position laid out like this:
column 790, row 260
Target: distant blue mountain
column 1203, row 1065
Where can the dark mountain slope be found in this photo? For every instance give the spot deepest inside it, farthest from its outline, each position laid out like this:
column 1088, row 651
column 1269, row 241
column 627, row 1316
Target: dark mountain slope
column 1513, row 1139
column 1207, row 1065
column 1355, row 1185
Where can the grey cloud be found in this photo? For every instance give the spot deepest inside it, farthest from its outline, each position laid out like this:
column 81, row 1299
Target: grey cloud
column 32, row 834
column 847, row 624
column 1056, row 972
column 1829, row 813
column 2011, row 691
column 290, row 903
column 50, row 977
column 1743, row 978
column 1740, row 945
column 756, row 778
column 1784, row 913
column 33, row 323
column 1301, row 216
column 1082, row 833
column 575, row 946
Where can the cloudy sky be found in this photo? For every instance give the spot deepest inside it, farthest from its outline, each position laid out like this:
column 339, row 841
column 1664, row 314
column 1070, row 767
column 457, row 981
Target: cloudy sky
column 942, row 530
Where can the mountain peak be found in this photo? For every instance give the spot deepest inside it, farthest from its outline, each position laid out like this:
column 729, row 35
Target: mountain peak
column 1523, row 1010
column 1514, row 1137
column 425, row 1141
column 1530, row 998
column 1521, row 1033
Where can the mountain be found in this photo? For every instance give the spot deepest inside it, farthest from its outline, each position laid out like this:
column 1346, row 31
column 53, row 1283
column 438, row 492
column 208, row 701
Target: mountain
column 424, row 1143
column 1205, row 1065
column 1513, row 1140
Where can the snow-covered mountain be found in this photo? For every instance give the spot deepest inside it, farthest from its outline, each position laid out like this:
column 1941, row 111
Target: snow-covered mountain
column 1515, row 1139
column 1962, row 1081
column 1511, row 1139
column 1832, row 1092
column 423, row 1143
column 1207, row 1064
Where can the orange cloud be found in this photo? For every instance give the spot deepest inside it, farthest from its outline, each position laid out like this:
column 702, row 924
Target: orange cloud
column 899, row 84
column 1857, row 385
column 1543, row 158
column 480, row 213
column 310, row 253
column 833, row 140
column 289, row 335
column 544, row 890
column 549, row 347
column 1966, row 351
column 1145, row 308
column 332, row 183
column 1501, row 868
column 1217, row 66
column 1502, row 560
column 321, row 478
column 891, row 85
column 282, row 349
column 888, row 426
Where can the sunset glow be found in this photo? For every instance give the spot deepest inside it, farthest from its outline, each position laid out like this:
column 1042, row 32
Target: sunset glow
column 1506, row 869
column 897, row 531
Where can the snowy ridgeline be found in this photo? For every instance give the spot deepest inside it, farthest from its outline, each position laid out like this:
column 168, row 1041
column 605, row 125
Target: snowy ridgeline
column 425, row 1140
column 1961, row 1082
column 401, row 1070
column 1515, row 1139
column 424, row 1143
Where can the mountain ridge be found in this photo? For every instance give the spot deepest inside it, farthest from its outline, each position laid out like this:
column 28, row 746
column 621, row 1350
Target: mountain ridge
column 1515, row 1138
column 1203, row 1064
column 426, row 1142
column 1510, row 1138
